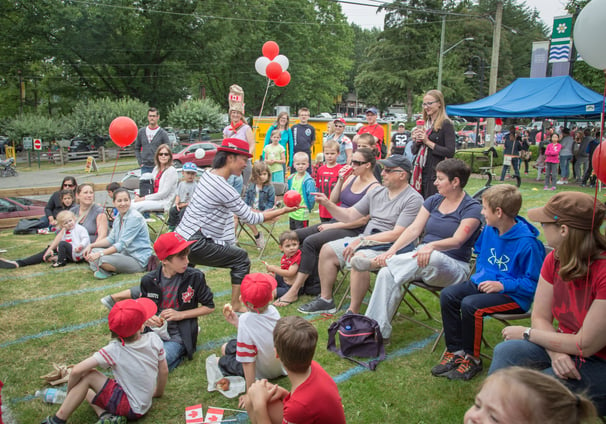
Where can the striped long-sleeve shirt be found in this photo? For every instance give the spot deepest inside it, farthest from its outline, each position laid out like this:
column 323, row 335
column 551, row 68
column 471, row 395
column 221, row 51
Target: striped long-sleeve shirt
column 211, row 211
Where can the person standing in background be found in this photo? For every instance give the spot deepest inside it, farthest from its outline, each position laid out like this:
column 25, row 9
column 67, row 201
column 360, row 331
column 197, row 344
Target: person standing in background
column 345, row 144
column 304, row 136
column 285, row 136
column 567, row 143
column 375, row 130
column 148, row 140
column 399, row 140
column 239, row 128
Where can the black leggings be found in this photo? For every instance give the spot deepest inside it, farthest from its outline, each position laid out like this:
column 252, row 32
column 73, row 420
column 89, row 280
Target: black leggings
column 36, row 259
column 312, row 240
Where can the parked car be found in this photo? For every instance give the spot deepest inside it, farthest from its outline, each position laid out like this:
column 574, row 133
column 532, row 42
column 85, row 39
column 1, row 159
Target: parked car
column 80, row 144
column 468, row 134
column 3, row 142
column 196, row 136
column 189, row 155
column 20, row 207
column 324, row 115
column 173, row 140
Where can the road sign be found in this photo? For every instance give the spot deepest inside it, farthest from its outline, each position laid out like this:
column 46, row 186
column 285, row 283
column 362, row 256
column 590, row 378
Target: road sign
column 27, row 143
column 37, row 144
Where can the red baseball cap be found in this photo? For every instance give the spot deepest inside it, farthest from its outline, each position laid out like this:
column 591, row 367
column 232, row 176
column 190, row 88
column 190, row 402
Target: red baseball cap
column 235, row 145
column 339, row 121
column 127, row 316
column 257, row 290
column 170, row 244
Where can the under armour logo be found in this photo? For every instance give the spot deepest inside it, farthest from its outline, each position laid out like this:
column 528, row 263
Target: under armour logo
column 501, row 262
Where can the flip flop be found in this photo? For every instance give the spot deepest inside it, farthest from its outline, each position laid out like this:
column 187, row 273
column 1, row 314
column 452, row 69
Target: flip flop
column 285, row 302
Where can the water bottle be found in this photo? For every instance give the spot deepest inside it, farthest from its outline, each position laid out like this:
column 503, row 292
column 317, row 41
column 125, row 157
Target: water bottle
column 51, row 395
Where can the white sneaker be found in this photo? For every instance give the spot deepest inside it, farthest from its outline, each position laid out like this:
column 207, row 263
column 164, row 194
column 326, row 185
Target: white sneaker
column 560, row 182
column 260, row 241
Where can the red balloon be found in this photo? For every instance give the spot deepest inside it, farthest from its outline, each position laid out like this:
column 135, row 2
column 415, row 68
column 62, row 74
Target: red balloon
column 283, row 79
column 270, row 49
column 273, row 70
column 292, row 198
column 599, row 162
column 123, row 131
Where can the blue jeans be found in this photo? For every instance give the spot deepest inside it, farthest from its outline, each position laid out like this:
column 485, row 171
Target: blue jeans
column 564, row 166
column 175, row 352
column 527, row 354
column 515, row 163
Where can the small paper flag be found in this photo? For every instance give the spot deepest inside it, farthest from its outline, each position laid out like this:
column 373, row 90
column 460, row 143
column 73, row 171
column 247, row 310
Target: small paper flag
column 213, row 415
column 193, row 414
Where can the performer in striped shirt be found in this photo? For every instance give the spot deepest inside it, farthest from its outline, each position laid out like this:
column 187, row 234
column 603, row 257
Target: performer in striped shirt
column 209, row 217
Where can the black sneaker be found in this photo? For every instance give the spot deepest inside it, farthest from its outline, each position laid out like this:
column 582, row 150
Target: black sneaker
column 318, row 306
column 448, row 363
column 466, row 370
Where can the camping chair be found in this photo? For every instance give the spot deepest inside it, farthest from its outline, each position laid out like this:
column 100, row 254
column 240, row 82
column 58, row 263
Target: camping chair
column 161, row 215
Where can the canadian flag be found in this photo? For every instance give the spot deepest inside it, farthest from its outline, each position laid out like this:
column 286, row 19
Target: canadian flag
column 193, row 414
column 213, row 415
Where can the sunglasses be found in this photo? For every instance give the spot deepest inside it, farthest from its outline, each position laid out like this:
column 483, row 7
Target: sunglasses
column 163, row 154
column 358, row 162
column 68, row 185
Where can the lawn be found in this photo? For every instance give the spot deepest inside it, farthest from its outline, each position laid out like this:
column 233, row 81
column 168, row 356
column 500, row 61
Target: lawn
column 52, row 315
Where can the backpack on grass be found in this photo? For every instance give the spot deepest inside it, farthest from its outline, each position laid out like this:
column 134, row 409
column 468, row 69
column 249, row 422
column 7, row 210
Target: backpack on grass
column 359, row 336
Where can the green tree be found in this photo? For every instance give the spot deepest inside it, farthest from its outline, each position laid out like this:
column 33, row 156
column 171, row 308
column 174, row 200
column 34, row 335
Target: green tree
column 92, row 118
column 196, row 114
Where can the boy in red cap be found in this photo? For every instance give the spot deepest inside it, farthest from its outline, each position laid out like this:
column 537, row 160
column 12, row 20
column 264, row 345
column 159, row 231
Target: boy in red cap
column 180, row 293
column 252, row 354
column 138, row 364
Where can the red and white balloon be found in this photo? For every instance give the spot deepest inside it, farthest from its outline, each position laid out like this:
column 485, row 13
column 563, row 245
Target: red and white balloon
column 273, row 65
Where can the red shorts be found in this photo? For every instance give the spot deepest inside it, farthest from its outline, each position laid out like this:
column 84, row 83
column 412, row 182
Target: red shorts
column 112, row 399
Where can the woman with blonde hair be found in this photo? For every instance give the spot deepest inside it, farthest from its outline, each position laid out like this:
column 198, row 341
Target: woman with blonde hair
column 286, row 139
column 433, row 143
column 521, row 395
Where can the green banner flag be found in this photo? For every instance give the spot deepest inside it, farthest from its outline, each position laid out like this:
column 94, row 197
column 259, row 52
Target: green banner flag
column 562, row 27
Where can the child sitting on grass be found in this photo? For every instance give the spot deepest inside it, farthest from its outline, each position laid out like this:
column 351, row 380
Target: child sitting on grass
column 138, row 364
column 73, row 239
column 260, row 195
column 314, row 396
column 252, row 354
column 289, row 264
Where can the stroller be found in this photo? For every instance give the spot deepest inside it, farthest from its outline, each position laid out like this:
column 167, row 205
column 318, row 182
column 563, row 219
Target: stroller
column 7, row 168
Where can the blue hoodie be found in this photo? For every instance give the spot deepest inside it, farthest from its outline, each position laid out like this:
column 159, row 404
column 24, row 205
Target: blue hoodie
column 514, row 259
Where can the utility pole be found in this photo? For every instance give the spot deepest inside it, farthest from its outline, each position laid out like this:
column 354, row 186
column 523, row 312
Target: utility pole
column 440, row 59
column 494, row 68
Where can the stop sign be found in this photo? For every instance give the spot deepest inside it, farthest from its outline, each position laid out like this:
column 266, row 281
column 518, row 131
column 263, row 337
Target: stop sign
column 37, row 144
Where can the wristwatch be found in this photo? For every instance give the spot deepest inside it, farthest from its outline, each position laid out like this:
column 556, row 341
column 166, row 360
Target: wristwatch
column 527, row 334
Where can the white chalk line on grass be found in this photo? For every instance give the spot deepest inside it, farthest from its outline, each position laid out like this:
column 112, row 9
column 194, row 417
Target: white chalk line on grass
column 43, row 273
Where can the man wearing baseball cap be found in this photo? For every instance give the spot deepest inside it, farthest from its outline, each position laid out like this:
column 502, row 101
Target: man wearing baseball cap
column 375, row 129
column 209, row 222
column 252, row 354
column 181, row 296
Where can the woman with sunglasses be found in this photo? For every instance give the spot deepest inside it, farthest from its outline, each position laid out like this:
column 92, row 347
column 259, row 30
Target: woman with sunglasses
column 54, row 204
column 433, row 143
column 353, row 183
column 165, row 183
column 345, row 144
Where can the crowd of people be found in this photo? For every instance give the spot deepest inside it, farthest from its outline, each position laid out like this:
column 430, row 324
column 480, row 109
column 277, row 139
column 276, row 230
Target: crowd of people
column 401, row 213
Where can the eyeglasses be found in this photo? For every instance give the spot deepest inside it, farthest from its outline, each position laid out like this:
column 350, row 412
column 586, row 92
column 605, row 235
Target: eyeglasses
column 429, row 103
column 339, row 126
column 358, row 162
column 390, row 170
column 163, row 154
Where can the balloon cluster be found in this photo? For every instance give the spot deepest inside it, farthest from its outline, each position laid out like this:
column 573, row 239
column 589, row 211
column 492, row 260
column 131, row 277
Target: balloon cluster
column 273, row 65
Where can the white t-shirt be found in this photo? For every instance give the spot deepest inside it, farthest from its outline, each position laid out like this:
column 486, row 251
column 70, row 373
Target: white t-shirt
column 256, row 343
column 151, row 133
column 135, row 368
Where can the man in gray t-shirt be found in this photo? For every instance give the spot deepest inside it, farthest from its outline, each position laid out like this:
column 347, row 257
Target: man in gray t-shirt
column 391, row 208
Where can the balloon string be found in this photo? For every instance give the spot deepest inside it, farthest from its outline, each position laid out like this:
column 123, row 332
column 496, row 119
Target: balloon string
column 115, row 164
column 256, row 125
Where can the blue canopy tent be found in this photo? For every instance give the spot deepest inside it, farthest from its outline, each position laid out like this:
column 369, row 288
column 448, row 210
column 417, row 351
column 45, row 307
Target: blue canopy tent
column 551, row 97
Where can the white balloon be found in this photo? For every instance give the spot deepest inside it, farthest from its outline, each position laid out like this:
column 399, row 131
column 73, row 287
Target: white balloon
column 199, row 153
column 283, row 61
column 261, row 64
column 590, row 33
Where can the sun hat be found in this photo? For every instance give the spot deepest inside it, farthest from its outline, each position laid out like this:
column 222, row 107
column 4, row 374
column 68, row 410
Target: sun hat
column 372, row 110
column 169, row 244
column 571, row 208
column 127, row 316
column 235, row 145
column 257, row 290
column 189, row 167
column 397, row 161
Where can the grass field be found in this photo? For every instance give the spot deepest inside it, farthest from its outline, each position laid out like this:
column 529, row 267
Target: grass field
column 52, row 315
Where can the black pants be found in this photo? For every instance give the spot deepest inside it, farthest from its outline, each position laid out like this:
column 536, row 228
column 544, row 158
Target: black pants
column 175, row 216
column 64, row 252
column 206, row 252
column 228, row 363
column 36, row 259
column 295, row 225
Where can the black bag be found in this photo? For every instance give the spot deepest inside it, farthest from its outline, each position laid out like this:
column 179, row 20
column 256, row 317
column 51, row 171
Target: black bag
column 359, row 336
column 28, row 226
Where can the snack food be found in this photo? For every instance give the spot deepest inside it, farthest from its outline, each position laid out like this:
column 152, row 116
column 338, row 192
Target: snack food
column 227, row 309
column 223, row 384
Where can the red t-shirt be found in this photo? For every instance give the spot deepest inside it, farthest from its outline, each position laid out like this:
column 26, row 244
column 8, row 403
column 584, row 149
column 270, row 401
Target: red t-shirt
column 315, row 401
column 326, row 179
column 286, row 261
column 377, row 131
column 572, row 299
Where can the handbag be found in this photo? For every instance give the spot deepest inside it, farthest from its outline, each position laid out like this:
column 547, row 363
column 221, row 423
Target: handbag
column 507, row 160
column 526, row 155
column 359, row 336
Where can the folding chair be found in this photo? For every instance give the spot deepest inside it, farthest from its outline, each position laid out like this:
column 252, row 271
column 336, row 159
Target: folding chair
column 161, row 215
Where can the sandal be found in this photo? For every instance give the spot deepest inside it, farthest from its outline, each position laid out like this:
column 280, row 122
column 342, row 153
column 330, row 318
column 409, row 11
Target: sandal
column 281, row 303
